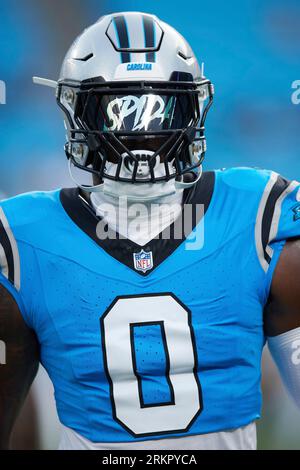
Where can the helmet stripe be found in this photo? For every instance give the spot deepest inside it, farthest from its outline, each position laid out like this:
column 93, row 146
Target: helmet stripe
column 149, row 31
column 123, row 37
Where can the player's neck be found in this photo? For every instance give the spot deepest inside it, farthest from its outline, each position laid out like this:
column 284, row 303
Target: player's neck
column 138, row 220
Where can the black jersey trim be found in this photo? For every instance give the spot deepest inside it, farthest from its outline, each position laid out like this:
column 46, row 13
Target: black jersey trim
column 8, row 252
column 279, row 187
column 81, row 212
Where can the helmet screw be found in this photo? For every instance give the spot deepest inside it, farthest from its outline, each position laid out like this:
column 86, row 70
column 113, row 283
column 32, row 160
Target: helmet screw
column 69, row 95
column 198, row 148
column 78, row 151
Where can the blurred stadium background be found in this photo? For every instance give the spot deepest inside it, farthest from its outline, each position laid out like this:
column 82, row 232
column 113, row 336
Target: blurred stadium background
column 251, row 53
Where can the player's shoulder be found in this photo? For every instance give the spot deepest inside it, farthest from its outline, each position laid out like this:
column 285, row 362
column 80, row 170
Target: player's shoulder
column 246, row 178
column 29, row 208
column 22, row 219
column 264, row 185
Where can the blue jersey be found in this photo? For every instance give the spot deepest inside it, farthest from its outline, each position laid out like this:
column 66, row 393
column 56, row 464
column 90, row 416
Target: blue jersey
column 156, row 341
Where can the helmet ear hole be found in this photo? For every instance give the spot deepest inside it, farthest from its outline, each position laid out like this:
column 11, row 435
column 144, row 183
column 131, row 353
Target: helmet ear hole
column 189, row 177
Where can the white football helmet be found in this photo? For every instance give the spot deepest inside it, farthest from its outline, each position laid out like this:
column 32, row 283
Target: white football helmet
column 135, row 102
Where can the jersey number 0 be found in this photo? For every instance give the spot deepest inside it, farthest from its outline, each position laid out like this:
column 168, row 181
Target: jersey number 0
column 174, row 321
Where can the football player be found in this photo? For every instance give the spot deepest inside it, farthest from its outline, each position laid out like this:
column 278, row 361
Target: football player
column 152, row 339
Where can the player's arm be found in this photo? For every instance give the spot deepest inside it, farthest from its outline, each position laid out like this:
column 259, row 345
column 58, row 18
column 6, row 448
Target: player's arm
column 21, row 363
column 282, row 317
column 283, row 310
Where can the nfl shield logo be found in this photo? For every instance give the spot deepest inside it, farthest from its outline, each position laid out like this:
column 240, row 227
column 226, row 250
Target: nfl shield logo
column 143, row 261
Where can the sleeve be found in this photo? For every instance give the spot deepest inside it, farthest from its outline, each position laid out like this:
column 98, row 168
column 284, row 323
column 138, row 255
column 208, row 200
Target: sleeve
column 278, row 216
column 286, row 215
column 10, row 275
column 9, row 253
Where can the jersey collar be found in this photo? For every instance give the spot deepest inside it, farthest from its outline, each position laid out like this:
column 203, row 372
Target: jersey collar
column 77, row 206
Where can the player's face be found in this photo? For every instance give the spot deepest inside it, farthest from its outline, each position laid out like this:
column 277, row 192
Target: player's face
column 140, row 121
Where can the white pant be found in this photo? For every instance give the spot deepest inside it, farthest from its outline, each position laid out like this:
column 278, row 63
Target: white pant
column 243, row 438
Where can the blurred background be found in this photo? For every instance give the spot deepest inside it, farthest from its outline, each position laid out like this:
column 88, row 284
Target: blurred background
column 251, row 53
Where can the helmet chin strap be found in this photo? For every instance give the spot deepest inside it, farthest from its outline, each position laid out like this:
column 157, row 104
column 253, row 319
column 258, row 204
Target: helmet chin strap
column 140, row 192
column 189, row 184
column 137, row 192
column 138, row 197
column 118, row 188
